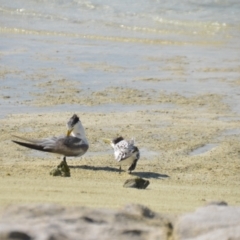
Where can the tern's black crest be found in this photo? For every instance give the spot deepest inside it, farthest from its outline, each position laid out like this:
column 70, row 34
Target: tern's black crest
column 73, row 120
column 117, row 140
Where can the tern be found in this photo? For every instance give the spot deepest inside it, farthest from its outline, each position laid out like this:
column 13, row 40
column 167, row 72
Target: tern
column 125, row 152
column 74, row 144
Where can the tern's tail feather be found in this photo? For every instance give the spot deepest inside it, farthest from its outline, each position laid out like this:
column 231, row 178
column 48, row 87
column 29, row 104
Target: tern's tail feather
column 32, row 146
column 26, row 139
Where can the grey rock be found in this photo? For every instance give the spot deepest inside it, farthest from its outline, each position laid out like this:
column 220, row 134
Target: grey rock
column 138, row 210
column 49, row 222
column 214, row 221
column 134, row 221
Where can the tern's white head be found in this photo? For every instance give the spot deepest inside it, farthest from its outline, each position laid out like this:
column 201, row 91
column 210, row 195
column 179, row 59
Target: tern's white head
column 75, row 127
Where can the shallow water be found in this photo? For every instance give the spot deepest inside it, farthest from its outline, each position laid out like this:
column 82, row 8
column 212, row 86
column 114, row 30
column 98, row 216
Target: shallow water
column 188, row 48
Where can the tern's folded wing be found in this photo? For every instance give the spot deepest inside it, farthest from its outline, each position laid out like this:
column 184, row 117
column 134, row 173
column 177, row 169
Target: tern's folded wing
column 26, row 139
column 67, row 146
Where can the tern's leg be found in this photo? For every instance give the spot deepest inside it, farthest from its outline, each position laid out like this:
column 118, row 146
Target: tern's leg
column 120, row 169
column 63, row 162
column 133, row 166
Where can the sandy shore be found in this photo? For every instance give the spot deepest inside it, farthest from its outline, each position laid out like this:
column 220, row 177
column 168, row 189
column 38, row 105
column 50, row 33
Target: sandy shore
column 180, row 179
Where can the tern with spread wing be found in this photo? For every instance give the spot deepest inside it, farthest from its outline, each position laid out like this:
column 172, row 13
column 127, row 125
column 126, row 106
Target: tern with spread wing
column 125, row 152
column 73, row 145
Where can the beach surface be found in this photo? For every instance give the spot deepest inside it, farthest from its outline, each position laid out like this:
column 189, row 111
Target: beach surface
column 189, row 153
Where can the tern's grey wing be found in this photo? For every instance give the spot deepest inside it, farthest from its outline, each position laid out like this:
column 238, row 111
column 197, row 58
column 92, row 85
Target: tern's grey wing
column 67, row 146
column 75, row 145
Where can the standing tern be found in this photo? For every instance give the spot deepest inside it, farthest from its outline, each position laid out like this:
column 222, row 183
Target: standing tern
column 125, row 152
column 73, row 145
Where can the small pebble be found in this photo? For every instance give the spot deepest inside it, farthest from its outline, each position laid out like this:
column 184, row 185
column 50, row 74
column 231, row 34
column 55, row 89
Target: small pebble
column 139, row 183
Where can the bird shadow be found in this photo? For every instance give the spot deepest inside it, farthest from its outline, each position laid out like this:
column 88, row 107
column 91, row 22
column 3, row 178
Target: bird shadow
column 150, row 175
column 111, row 169
column 93, row 168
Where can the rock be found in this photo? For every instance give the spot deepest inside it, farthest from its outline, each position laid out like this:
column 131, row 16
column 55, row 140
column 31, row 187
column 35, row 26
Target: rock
column 17, row 235
column 214, row 221
column 61, row 170
column 134, row 221
column 50, row 222
column 139, row 183
column 140, row 210
column 55, row 172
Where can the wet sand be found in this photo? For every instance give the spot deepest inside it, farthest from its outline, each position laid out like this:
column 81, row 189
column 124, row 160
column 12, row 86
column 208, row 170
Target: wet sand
column 189, row 151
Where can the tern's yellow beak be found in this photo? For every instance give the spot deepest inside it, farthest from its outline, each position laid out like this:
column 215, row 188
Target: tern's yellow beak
column 108, row 141
column 69, row 132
